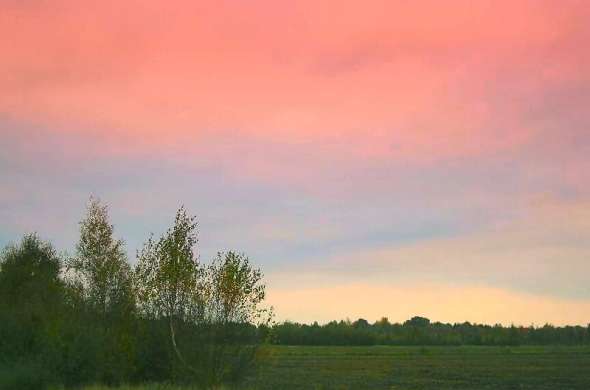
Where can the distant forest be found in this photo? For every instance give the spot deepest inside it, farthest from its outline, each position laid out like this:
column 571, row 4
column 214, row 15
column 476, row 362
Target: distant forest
column 91, row 317
column 420, row 331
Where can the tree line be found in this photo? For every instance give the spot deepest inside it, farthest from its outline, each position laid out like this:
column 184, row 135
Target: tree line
column 93, row 318
column 420, row 331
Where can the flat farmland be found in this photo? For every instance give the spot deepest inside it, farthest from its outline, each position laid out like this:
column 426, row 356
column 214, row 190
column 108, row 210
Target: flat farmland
column 415, row 368
column 385, row 367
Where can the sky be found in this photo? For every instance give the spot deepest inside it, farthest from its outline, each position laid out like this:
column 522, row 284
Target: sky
column 374, row 158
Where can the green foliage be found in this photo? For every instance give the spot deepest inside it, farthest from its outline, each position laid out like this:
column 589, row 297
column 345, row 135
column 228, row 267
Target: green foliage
column 234, row 291
column 417, row 321
column 167, row 279
column 212, row 307
column 233, row 294
column 96, row 321
column 167, row 272
column 100, row 269
column 420, row 331
column 27, row 375
column 31, row 300
column 29, row 276
column 102, row 304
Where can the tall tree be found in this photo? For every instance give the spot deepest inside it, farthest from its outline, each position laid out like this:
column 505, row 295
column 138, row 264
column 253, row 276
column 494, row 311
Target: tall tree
column 31, row 315
column 100, row 265
column 29, row 274
column 235, row 291
column 101, row 283
column 233, row 295
column 167, row 277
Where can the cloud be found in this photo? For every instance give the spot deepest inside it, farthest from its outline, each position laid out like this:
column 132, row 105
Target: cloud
column 544, row 254
column 389, row 80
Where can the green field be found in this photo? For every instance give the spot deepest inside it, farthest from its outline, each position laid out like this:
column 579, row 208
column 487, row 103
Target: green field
column 426, row 368
column 556, row 368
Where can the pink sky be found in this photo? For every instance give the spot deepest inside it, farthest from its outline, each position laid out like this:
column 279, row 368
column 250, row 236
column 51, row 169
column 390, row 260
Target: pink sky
column 304, row 132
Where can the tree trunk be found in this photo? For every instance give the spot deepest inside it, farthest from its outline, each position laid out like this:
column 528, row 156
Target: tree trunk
column 177, row 351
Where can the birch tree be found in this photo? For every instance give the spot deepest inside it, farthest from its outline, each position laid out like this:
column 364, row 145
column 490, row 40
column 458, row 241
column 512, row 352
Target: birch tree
column 100, row 265
column 167, row 277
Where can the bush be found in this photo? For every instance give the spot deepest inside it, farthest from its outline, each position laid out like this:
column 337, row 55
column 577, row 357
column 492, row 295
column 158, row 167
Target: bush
column 25, row 376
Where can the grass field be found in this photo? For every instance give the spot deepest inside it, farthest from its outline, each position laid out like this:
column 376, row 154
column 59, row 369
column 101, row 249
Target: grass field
column 425, row 368
column 555, row 368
